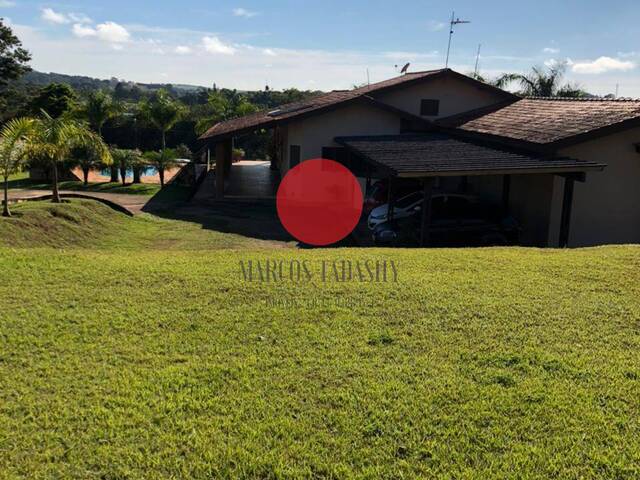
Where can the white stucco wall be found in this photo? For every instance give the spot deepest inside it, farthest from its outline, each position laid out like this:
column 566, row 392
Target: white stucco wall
column 606, row 208
column 455, row 97
column 315, row 132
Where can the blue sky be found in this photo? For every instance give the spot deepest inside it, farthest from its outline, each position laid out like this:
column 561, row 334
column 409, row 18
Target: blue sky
column 329, row 44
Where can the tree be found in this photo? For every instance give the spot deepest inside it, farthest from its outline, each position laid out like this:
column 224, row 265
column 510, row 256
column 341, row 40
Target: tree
column 542, row 83
column 98, row 109
column 13, row 58
column 220, row 108
column 87, row 157
column 138, row 163
column 53, row 140
column 126, row 159
column 12, row 138
column 162, row 161
column 163, row 112
column 55, row 99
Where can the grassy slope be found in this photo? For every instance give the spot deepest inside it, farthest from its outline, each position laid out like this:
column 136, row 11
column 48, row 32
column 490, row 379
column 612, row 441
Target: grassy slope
column 91, row 225
column 479, row 363
column 22, row 180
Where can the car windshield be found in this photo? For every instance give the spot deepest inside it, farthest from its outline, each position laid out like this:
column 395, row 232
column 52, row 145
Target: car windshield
column 409, row 200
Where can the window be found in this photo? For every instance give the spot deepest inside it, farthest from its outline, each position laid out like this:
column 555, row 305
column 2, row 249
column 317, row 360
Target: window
column 294, row 155
column 429, row 107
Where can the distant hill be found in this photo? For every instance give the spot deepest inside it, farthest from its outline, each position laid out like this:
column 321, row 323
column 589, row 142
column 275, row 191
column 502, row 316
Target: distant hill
column 83, row 83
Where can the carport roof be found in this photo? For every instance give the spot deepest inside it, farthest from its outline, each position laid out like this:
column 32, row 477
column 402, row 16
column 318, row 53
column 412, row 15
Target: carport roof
column 437, row 154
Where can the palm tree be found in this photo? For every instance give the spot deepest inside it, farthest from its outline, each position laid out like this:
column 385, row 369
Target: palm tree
column 87, row 157
column 162, row 160
column 98, row 110
column 542, row 83
column 53, row 139
column 163, row 112
column 125, row 159
column 137, row 165
column 12, row 138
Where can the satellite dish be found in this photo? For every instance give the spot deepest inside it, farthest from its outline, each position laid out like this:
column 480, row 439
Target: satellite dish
column 405, row 68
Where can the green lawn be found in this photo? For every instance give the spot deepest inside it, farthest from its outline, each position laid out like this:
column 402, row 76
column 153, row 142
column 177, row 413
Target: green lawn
column 131, row 353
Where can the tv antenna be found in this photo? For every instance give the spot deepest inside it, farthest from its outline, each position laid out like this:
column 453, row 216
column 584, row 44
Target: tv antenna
column 405, row 69
column 454, row 21
column 475, row 71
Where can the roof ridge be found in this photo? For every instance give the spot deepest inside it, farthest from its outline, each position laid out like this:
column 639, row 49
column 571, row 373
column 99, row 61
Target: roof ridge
column 583, row 99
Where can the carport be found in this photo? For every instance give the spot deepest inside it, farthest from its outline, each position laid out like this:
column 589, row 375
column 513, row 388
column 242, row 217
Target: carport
column 432, row 155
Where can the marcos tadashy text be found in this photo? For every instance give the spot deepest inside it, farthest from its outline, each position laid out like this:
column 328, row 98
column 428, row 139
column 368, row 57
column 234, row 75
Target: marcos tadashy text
column 299, row 271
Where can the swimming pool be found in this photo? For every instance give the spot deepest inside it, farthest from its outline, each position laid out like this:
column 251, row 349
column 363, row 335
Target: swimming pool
column 145, row 172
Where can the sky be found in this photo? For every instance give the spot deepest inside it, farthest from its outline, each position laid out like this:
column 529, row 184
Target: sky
column 327, row 44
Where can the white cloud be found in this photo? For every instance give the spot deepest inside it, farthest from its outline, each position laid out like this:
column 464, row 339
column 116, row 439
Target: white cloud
column 7, row 4
column 112, row 32
column 435, row 26
column 183, row 50
column 109, row 32
column 216, row 46
column 551, row 50
column 602, row 65
column 79, row 18
column 269, row 52
column 49, row 15
column 243, row 12
column 83, row 31
column 627, row 54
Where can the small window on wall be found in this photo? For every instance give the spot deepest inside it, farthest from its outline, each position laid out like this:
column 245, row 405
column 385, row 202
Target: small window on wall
column 429, row 107
column 294, row 155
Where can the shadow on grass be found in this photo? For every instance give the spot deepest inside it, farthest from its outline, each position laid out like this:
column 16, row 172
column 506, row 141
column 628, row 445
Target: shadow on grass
column 250, row 218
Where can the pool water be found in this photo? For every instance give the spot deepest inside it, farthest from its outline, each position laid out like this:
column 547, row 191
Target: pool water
column 145, row 172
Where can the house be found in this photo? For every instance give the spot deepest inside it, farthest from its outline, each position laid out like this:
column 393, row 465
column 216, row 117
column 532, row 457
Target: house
column 567, row 169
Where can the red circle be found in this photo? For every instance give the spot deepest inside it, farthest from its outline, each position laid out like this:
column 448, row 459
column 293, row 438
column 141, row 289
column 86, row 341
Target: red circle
column 319, row 202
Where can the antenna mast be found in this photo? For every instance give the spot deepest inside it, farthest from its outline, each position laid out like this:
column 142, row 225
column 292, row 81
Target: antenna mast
column 475, row 71
column 454, row 21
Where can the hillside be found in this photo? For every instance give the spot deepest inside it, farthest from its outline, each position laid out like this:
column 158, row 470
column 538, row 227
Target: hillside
column 85, row 84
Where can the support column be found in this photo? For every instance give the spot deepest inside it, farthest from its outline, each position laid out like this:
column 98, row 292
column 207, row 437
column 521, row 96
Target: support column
column 223, row 152
column 506, row 193
column 565, row 218
column 228, row 159
column 426, row 211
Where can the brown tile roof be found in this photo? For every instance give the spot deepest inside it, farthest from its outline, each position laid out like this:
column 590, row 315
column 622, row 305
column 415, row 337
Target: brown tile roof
column 269, row 118
column 551, row 120
column 437, row 154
